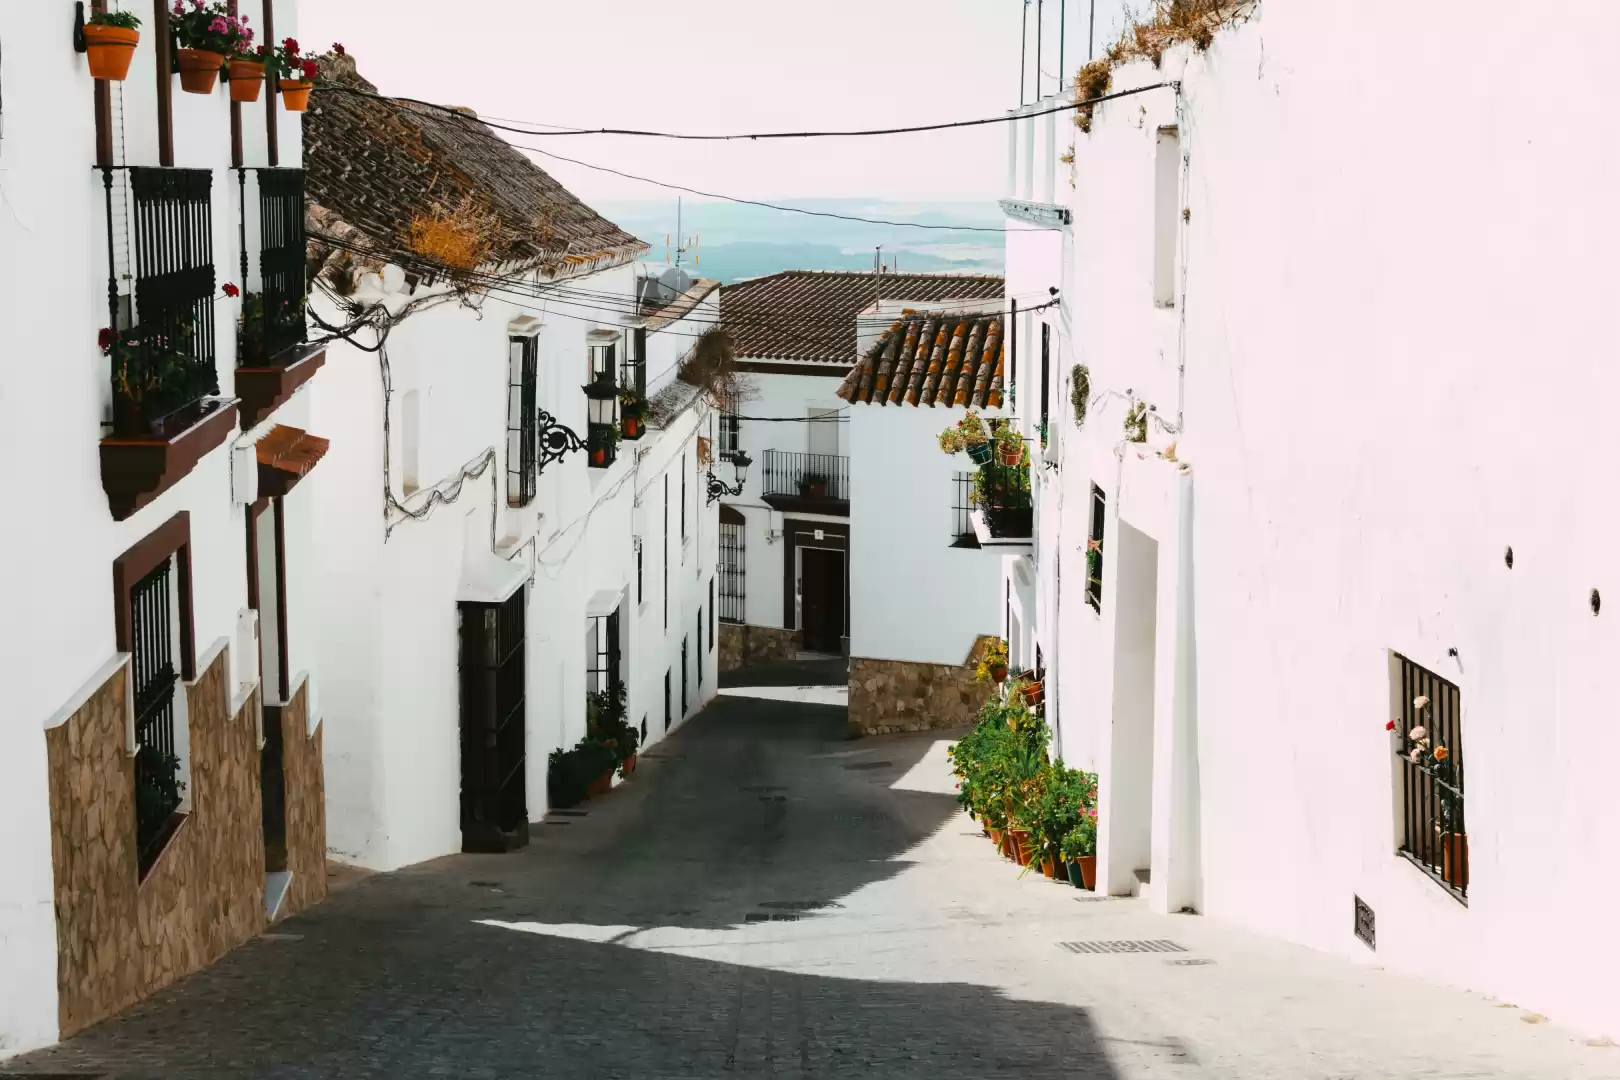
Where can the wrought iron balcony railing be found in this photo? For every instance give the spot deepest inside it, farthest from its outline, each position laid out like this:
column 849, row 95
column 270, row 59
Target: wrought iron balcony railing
column 1002, row 494
column 806, row 476
column 273, row 325
column 162, row 366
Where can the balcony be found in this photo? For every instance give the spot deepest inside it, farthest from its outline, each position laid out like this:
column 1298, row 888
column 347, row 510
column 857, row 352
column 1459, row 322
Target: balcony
column 165, row 414
column 807, row 483
column 1005, row 513
column 272, row 357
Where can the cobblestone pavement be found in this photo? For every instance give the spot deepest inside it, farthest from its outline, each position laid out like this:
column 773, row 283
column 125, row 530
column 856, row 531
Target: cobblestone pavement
column 765, row 898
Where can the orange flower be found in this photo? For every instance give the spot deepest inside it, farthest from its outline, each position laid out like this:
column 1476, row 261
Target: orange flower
column 1441, row 753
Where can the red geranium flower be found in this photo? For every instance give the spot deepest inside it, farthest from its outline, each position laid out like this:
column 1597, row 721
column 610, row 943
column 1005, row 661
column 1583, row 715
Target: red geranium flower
column 337, row 47
column 1390, row 726
column 231, row 290
column 290, row 44
column 311, row 69
column 106, row 338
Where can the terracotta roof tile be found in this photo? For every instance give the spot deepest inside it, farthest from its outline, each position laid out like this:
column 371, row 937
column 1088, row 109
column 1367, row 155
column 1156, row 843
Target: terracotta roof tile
column 931, row 359
column 810, row 314
column 377, row 164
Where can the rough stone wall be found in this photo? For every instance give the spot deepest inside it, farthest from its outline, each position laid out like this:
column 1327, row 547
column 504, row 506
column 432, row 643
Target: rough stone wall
column 306, row 806
column 742, row 645
column 895, row 695
column 120, row 939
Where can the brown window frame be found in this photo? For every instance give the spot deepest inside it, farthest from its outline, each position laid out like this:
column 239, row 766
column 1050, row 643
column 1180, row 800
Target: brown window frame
column 172, row 538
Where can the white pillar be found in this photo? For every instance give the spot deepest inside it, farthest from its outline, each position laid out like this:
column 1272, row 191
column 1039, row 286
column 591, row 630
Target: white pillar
column 1026, row 187
column 1012, row 156
column 1050, row 160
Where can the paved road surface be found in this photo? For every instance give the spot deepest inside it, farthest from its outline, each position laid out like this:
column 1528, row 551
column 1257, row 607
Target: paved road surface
column 766, row 898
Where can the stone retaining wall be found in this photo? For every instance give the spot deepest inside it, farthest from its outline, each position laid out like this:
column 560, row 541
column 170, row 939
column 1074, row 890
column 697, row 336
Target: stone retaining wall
column 306, row 806
column 742, row 645
column 120, row 938
column 896, row 695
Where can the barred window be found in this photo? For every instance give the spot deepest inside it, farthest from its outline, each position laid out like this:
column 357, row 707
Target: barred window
column 1429, row 758
column 732, row 550
column 963, row 503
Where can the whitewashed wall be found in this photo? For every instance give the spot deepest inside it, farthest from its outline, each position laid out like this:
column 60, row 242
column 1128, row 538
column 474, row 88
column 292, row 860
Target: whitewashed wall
column 901, row 529
column 57, row 536
column 1392, row 307
column 391, row 631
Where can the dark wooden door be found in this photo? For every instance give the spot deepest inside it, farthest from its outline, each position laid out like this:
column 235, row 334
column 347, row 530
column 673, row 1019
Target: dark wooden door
column 821, row 598
column 494, row 812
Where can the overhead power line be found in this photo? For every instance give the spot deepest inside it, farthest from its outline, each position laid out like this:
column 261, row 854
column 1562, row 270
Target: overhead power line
column 749, row 136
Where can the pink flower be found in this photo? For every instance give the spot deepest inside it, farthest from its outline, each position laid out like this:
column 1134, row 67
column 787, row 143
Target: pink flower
column 218, row 25
column 198, row 4
column 179, row 8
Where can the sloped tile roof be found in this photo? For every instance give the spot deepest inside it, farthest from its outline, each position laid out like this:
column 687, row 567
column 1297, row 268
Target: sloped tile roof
column 931, row 359
column 810, row 314
column 375, row 164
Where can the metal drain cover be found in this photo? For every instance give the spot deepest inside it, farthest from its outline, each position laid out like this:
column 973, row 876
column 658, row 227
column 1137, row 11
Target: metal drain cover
column 773, row 798
column 869, row 765
column 1085, row 947
column 570, row 813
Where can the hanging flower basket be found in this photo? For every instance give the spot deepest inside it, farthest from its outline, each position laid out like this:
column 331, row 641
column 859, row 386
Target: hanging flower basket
column 980, row 453
column 109, row 49
column 199, row 68
column 295, row 94
column 247, row 79
column 1035, row 692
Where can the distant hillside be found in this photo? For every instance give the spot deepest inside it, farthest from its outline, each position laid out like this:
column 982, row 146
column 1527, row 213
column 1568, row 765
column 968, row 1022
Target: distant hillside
column 746, row 241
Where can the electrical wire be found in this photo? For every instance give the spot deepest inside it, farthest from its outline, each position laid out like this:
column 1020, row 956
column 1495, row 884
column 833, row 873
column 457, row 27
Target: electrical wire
column 775, row 206
column 756, row 135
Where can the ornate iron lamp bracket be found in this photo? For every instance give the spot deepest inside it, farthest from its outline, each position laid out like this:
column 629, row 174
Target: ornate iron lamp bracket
column 554, row 440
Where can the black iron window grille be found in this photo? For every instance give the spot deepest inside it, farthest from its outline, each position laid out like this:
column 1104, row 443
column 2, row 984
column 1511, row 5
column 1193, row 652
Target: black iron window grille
column 732, row 571
column 683, row 675
column 714, row 618
column 809, row 476
column 273, row 325
column 699, row 659
column 1003, row 496
column 602, row 663
column 730, row 431
column 633, row 370
column 665, row 546
column 683, row 498
column 494, row 804
column 1429, row 757
column 1094, row 548
column 522, row 420
column 641, row 591
column 602, row 432
column 668, row 716
column 158, row 786
column 963, row 503
column 163, row 366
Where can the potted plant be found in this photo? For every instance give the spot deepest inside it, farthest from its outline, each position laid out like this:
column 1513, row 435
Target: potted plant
column 1136, row 423
column 1034, row 691
column 295, row 73
column 1428, row 754
column 600, row 438
column 813, row 486
column 993, row 662
column 951, row 440
column 110, row 38
column 246, row 71
column 975, row 438
column 1079, row 849
column 206, row 34
column 632, row 414
column 1009, row 444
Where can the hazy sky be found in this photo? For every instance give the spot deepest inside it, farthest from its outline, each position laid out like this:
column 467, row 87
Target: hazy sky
column 719, row 66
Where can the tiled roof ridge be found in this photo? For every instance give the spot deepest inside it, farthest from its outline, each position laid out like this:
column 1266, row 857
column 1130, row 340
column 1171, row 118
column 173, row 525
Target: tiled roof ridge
column 934, row 360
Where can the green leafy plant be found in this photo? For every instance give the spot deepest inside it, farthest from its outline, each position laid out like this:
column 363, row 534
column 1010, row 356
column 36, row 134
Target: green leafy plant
column 1136, row 423
column 287, row 61
column 994, row 656
column 1008, row 441
column 260, row 331
column 126, row 20
column 632, row 404
column 210, row 28
column 951, row 441
column 1080, row 392
column 154, row 374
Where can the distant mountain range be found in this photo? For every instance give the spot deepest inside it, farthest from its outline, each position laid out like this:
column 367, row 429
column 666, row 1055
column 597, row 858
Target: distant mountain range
column 738, row 241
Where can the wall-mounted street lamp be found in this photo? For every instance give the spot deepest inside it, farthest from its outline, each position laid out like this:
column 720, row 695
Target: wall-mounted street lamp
column 740, row 462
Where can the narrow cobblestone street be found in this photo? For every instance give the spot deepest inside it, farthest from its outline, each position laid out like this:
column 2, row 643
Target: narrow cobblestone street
column 768, row 898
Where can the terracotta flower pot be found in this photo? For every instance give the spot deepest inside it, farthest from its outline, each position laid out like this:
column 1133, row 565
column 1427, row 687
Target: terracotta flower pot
column 199, row 68
column 109, row 50
column 1049, row 867
column 1083, row 872
column 995, row 837
column 1034, row 693
column 1454, row 859
column 630, row 764
column 998, row 673
column 247, row 79
column 601, row 785
column 1011, row 457
column 295, row 94
column 1021, row 847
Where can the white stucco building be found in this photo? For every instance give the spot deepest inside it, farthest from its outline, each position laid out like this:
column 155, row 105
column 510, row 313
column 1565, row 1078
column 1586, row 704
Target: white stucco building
column 787, row 581
column 458, row 507
column 162, row 803
column 1365, row 319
